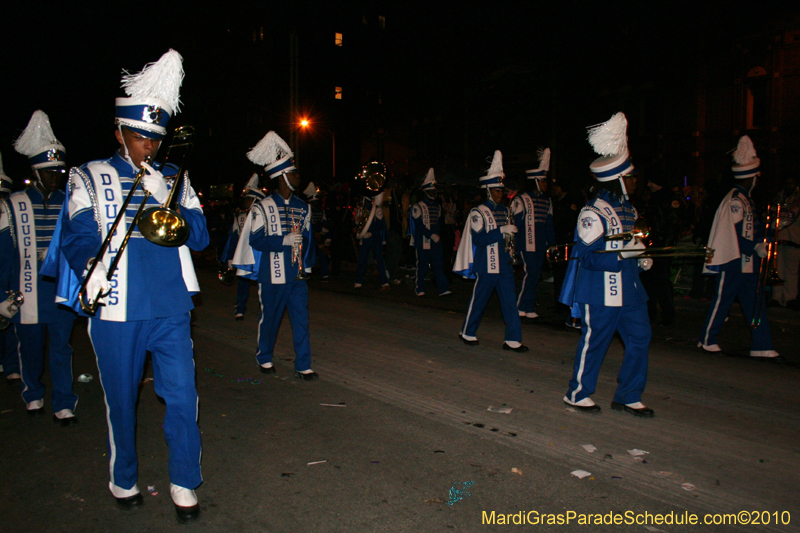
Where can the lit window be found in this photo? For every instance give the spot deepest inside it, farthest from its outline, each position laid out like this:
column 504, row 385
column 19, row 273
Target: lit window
column 337, row 39
column 337, row 93
column 382, row 22
column 261, row 33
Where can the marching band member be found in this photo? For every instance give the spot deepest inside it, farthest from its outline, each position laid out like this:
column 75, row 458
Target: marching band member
column 371, row 239
column 321, row 230
column 607, row 285
column 788, row 240
column 484, row 254
column 275, row 244
column 735, row 240
column 251, row 194
column 533, row 214
column 147, row 303
column 426, row 234
column 27, row 221
column 9, row 357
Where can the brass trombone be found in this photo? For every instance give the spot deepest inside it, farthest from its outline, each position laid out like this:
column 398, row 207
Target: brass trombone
column 164, row 225
column 768, row 268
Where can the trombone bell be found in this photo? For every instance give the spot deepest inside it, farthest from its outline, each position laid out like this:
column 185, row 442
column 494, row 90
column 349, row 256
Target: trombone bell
column 164, row 226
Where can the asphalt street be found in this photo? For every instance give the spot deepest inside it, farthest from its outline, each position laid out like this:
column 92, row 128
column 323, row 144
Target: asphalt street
column 404, row 432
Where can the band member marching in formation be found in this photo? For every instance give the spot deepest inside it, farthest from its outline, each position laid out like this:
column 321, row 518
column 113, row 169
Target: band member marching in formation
column 426, row 236
column 485, row 254
column 9, row 357
column 252, row 192
column 788, row 240
column 371, row 238
column 736, row 241
column 275, row 243
column 321, row 230
column 606, row 285
column 147, row 302
column 27, row 221
column 533, row 215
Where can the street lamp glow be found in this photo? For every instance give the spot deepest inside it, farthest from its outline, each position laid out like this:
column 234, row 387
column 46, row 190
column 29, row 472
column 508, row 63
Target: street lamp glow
column 304, row 123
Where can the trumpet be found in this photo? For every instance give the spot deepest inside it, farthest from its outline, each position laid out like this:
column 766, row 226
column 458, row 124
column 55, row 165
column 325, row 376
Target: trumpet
column 641, row 230
column 511, row 248
column 297, row 250
column 164, row 225
column 768, row 268
column 16, row 299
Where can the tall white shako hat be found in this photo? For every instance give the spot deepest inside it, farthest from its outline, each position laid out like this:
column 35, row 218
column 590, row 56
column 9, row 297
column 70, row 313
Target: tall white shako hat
column 540, row 173
column 5, row 182
column 494, row 176
column 253, row 189
column 610, row 140
column 429, row 183
column 153, row 96
column 747, row 164
column 274, row 155
column 39, row 144
column 311, row 192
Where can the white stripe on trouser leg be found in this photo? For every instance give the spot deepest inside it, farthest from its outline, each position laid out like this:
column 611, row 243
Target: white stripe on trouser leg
column 471, row 301
column 583, row 353
column 111, row 444
column 716, row 308
column 524, row 280
column 260, row 321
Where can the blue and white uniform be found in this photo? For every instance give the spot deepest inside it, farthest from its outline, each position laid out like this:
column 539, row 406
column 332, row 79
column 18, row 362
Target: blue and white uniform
column 533, row 216
column 321, row 229
column 426, row 221
column 374, row 243
column 482, row 254
column 611, row 298
column 243, row 282
column 27, row 222
column 733, row 237
column 148, row 309
column 269, row 221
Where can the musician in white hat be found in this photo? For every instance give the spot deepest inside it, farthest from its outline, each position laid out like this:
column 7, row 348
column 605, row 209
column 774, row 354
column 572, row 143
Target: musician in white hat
column 483, row 254
column 738, row 247
column 426, row 237
column 27, row 221
column 604, row 279
column 146, row 305
column 9, row 357
column 321, row 230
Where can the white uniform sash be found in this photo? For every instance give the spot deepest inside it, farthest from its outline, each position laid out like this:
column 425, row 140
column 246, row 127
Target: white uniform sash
column 723, row 239
column 109, row 199
column 493, row 250
column 28, row 266
column 747, row 233
column 530, row 229
column 613, row 280
column 426, row 221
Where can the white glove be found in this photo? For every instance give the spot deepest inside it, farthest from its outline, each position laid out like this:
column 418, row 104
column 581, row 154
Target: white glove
column 367, row 235
column 632, row 248
column 508, row 229
column 230, row 263
column 645, row 263
column 155, row 184
column 293, row 239
column 5, row 309
column 761, row 249
column 435, row 238
column 97, row 283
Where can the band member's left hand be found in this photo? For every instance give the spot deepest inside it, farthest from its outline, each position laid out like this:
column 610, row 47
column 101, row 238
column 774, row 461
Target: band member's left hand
column 154, row 183
column 435, row 238
column 761, row 249
column 645, row 263
column 5, row 309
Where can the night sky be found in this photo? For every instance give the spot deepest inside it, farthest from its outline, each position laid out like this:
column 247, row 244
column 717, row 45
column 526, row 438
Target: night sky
column 68, row 62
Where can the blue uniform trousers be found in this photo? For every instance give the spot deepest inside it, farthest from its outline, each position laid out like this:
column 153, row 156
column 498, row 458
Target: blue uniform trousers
column 432, row 257
column 9, row 351
column 532, row 266
column 324, row 262
column 274, row 300
column 363, row 257
column 121, row 348
column 242, row 294
column 31, row 361
column 485, row 285
column 599, row 323
column 730, row 284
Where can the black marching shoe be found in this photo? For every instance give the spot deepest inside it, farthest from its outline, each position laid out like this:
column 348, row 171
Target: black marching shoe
column 187, row 514
column 519, row 349
column 270, row 370
column 66, row 422
column 309, row 376
column 131, row 501
column 467, row 341
column 593, row 408
column 641, row 412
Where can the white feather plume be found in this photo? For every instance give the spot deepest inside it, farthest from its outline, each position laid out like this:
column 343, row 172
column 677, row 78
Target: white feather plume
column 496, row 167
column 610, row 138
column 253, row 184
column 3, row 172
column 745, row 151
column 269, row 149
column 544, row 159
column 311, row 190
column 37, row 134
column 430, row 175
column 161, row 80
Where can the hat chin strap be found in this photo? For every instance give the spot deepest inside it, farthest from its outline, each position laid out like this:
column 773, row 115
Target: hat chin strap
column 286, row 180
column 127, row 156
column 624, row 189
column 753, row 186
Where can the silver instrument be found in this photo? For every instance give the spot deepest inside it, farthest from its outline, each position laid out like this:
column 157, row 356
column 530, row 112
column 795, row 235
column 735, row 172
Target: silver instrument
column 16, row 299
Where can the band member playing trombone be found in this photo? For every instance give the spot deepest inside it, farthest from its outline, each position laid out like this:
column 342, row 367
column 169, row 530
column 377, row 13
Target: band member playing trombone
column 146, row 304
column 485, row 253
column 739, row 248
column 27, row 221
column 533, row 215
column 606, row 285
column 275, row 243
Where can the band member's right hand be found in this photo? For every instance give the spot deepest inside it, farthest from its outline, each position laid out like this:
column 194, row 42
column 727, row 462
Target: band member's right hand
column 508, row 229
column 97, row 282
column 154, row 183
column 761, row 249
column 293, row 239
column 367, row 235
column 632, row 248
column 5, row 309
column 435, row 238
